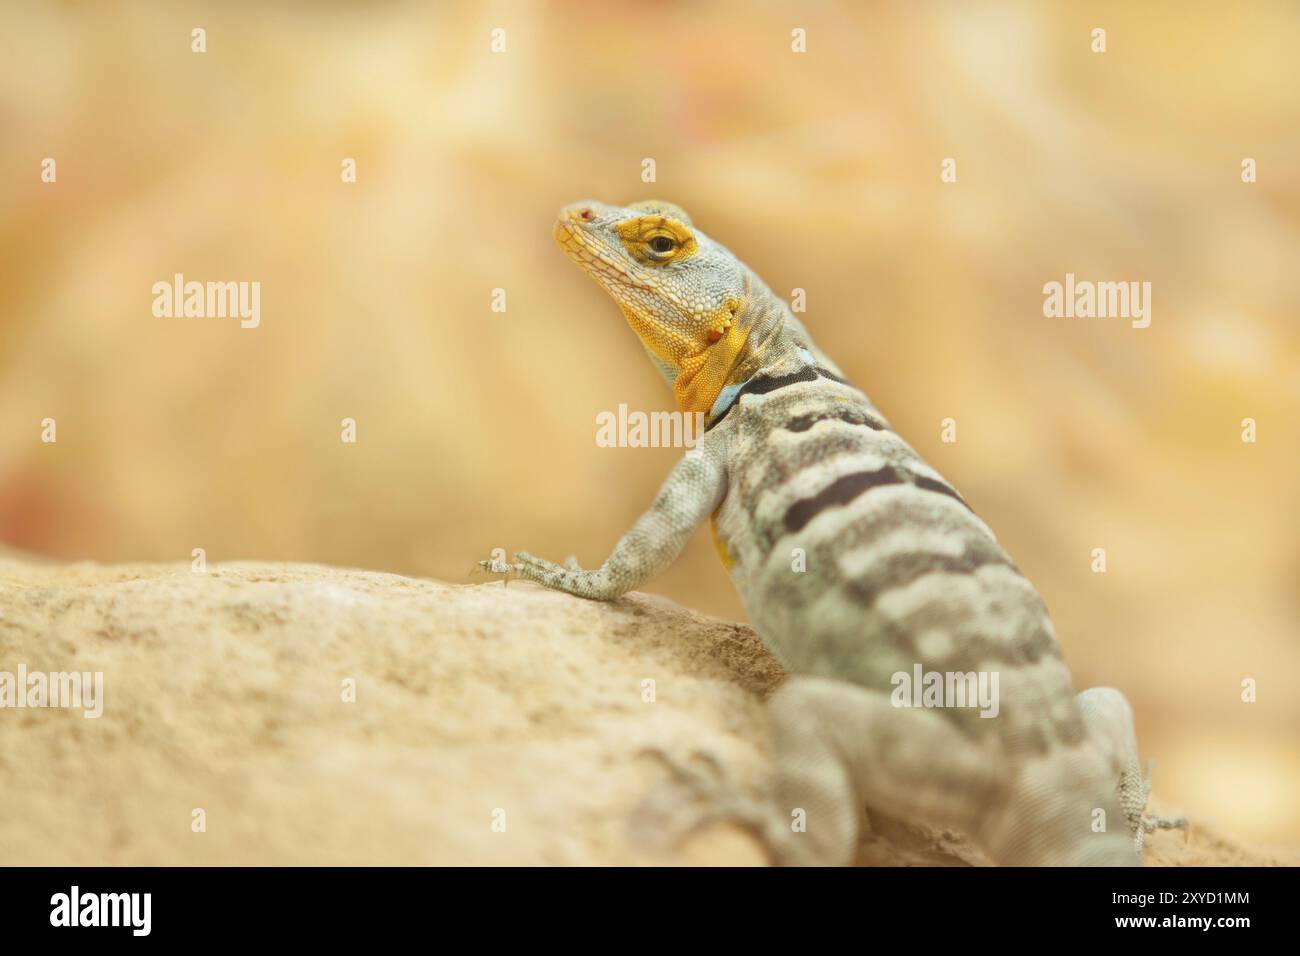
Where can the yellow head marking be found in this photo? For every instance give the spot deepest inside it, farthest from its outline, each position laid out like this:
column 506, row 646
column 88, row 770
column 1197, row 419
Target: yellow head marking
column 671, row 210
column 657, row 240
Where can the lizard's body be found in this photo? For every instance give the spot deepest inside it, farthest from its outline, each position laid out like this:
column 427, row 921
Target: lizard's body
column 856, row 562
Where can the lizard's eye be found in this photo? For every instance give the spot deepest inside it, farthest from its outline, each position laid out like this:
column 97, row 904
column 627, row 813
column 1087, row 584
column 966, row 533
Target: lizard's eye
column 656, row 241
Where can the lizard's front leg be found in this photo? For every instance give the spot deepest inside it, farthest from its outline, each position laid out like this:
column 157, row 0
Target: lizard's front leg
column 692, row 491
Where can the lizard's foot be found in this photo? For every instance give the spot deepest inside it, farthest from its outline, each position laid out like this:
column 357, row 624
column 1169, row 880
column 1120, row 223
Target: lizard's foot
column 698, row 795
column 1110, row 722
column 534, row 569
column 1154, row 822
column 568, row 577
column 1164, row 823
column 493, row 566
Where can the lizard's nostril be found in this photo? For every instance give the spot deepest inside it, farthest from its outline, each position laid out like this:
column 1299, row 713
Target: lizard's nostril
column 581, row 213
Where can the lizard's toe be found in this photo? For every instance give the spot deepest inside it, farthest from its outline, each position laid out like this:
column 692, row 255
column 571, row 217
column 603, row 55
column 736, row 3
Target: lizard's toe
column 540, row 570
column 529, row 564
column 698, row 794
column 1164, row 823
column 687, row 771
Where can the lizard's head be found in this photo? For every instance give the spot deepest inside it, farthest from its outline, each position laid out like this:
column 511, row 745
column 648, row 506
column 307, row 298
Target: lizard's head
column 681, row 292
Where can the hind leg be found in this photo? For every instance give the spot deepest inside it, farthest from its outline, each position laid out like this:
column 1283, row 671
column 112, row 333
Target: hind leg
column 839, row 748
column 1109, row 720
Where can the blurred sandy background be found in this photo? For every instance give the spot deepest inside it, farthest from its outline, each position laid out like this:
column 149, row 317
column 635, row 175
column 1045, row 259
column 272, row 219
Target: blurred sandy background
column 476, row 429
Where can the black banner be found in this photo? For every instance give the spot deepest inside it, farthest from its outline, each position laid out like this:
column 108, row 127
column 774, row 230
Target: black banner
column 334, row 906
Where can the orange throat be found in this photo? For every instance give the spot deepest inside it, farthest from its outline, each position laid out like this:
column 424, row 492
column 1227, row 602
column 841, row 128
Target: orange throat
column 704, row 375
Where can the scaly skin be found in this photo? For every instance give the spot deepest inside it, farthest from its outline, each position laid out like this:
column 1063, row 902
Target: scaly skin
column 856, row 562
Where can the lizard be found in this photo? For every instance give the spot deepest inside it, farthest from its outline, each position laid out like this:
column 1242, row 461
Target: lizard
column 857, row 563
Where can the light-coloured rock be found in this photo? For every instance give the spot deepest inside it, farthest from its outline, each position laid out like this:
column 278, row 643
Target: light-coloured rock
column 224, row 691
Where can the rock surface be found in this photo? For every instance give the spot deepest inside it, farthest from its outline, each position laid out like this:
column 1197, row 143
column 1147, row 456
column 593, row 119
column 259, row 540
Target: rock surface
column 225, row 692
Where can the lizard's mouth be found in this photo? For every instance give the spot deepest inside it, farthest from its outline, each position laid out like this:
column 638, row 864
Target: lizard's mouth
column 568, row 236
